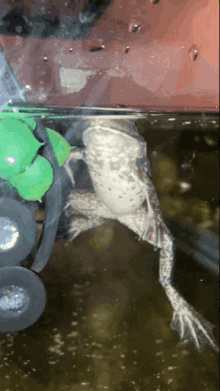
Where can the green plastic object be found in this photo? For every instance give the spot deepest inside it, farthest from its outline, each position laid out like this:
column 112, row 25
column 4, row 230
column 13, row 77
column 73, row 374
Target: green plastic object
column 30, row 173
column 34, row 182
column 18, row 147
column 60, row 146
column 30, row 122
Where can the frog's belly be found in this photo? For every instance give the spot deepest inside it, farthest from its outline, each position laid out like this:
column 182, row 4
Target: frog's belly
column 122, row 196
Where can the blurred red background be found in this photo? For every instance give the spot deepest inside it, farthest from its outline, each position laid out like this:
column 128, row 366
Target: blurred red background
column 161, row 55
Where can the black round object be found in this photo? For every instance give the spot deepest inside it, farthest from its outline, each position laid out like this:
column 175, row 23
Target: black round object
column 18, row 232
column 22, row 298
column 15, row 23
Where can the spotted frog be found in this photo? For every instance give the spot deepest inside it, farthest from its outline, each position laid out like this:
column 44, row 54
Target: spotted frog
column 116, row 156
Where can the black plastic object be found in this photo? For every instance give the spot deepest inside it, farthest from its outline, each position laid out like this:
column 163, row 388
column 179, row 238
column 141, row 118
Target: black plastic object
column 29, row 298
column 53, row 202
column 15, row 23
column 18, row 232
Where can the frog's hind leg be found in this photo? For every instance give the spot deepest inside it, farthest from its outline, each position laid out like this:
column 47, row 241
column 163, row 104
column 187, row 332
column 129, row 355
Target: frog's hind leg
column 143, row 223
column 81, row 224
column 89, row 212
column 186, row 321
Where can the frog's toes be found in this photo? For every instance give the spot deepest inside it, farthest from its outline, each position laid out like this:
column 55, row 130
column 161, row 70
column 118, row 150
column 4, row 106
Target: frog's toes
column 192, row 327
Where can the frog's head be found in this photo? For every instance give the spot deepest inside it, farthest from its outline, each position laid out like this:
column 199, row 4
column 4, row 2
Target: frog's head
column 112, row 135
column 114, row 138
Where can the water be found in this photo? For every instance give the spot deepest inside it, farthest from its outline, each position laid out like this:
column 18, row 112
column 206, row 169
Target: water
column 106, row 323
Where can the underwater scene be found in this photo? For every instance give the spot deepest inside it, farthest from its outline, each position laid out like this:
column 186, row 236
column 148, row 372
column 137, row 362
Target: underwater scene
column 106, row 324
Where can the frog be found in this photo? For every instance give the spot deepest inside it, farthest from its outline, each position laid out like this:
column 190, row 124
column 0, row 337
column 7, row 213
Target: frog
column 123, row 190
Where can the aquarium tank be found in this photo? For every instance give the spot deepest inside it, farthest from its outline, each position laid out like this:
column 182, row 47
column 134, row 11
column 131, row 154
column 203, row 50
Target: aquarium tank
column 109, row 195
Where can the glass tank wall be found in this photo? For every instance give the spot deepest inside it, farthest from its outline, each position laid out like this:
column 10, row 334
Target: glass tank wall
column 106, row 321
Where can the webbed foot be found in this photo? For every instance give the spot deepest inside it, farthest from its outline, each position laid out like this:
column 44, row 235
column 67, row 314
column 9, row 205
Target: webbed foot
column 193, row 327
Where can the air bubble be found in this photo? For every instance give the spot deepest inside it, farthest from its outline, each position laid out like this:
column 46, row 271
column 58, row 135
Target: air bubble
column 133, row 27
column 193, row 53
column 97, row 48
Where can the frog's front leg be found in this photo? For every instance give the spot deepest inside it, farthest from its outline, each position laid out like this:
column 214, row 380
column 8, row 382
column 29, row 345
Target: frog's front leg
column 74, row 155
column 186, row 321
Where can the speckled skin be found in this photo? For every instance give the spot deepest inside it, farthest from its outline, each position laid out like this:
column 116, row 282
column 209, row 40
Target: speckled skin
column 117, row 161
